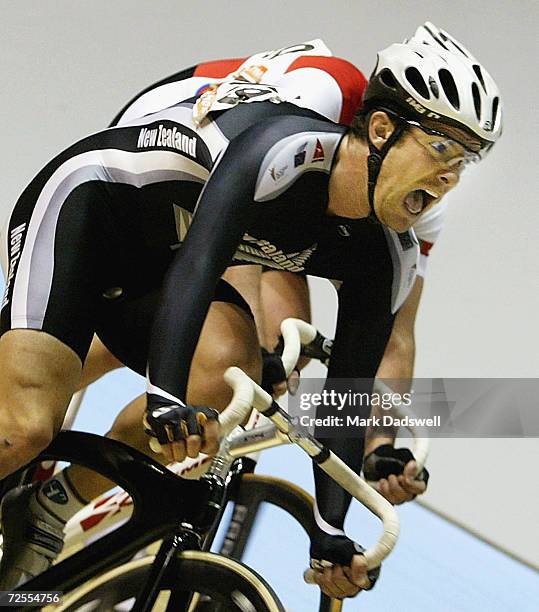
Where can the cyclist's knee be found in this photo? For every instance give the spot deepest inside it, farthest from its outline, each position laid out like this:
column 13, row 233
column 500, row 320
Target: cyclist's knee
column 39, row 374
column 233, row 351
column 37, row 435
column 211, row 361
column 23, row 435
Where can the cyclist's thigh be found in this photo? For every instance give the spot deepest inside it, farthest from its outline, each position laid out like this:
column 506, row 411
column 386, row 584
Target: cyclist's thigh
column 38, row 371
column 282, row 295
column 99, row 362
column 228, row 338
column 46, row 317
column 56, row 258
column 39, row 374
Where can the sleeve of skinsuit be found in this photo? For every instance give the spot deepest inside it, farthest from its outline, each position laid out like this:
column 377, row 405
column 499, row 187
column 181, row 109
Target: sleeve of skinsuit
column 222, row 215
column 363, row 329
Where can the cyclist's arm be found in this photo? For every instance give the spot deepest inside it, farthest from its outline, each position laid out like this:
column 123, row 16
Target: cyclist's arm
column 224, row 210
column 397, row 364
column 222, row 215
column 364, row 321
column 397, row 370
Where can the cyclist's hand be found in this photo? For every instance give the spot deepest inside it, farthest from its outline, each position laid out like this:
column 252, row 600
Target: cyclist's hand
column 183, row 431
column 274, row 379
column 340, row 567
column 394, row 469
column 340, row 581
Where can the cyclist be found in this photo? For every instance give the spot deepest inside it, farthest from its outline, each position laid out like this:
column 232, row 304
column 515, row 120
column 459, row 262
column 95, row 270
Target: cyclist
column 334, row 88
column 275, row 191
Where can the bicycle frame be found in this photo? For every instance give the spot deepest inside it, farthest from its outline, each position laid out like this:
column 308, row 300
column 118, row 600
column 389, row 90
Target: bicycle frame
column 180, row 501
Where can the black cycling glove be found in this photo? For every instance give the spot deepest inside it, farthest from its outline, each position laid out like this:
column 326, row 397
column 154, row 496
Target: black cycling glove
column 386, row 460
column 272, row 371
column 319, row 348
column 329, row 549
column 170, row 422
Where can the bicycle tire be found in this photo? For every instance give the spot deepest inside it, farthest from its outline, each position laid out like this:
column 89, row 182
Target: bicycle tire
column 232, row 585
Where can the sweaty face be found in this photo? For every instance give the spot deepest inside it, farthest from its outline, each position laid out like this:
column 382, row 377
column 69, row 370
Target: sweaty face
column 417, row 172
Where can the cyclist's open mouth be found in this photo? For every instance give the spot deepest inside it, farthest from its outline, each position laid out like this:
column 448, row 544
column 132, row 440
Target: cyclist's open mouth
column 417, row 200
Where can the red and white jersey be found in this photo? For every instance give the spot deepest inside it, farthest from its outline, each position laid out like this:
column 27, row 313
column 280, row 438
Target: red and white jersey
column 427, row 230
column 305, row 74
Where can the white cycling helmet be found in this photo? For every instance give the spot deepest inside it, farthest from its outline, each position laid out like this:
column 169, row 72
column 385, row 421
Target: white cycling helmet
column 429, row 34
column 433, row 80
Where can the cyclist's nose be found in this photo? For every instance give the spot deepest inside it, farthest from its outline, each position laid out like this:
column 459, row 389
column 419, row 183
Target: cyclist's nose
column 449, row 179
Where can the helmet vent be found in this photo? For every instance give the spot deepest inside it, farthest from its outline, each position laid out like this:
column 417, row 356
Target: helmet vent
column 417, row 53
column 450, row 42
column 417, row 81
column 476, row 100
column 387, row 78
column 495, row 104
column 450, row 88
column 460, row 48
column 436, row 38
column 479, row 74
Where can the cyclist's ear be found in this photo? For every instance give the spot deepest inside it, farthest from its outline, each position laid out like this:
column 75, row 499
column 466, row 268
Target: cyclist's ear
column 380, row 128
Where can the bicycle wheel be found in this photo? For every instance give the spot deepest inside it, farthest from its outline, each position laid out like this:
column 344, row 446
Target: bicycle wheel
column 231, row 585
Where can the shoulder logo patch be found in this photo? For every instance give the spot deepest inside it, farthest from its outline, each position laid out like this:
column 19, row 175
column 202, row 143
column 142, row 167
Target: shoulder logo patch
column 318, row 155
column 277, row 174
column 299, row 157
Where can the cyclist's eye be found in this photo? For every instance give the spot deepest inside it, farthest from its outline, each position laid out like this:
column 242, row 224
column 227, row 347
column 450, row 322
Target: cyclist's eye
column 440, row 146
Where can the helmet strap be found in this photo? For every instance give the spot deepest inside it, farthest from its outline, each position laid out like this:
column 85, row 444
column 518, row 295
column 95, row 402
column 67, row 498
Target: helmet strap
column 375, row 159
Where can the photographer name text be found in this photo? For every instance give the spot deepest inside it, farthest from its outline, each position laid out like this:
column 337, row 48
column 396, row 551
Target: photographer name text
column 356, row 421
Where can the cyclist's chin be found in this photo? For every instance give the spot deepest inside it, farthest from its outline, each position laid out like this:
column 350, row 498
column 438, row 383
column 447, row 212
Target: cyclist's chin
column 397, row 220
